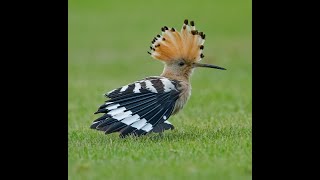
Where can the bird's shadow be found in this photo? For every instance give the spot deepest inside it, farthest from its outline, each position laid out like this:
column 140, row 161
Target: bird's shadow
column 181, row 135
column 176, row 135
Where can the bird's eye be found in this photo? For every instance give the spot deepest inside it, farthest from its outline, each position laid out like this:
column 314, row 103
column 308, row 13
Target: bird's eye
column 181, row 63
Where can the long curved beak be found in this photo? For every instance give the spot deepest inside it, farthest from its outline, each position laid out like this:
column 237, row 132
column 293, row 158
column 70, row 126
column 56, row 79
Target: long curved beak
column 208, row 66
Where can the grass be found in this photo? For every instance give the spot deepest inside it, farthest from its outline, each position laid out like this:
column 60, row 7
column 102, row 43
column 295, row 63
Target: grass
column 108, row 41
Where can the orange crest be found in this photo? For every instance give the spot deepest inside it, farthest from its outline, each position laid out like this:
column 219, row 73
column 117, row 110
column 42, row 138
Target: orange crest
column 174, row 45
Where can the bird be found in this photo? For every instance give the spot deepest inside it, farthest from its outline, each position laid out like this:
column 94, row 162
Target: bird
column 144, row 106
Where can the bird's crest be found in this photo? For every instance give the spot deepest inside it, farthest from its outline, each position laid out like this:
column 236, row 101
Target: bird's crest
column 174, row 45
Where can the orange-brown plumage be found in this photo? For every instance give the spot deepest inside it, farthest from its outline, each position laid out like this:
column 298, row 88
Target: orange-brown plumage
column 173, row 45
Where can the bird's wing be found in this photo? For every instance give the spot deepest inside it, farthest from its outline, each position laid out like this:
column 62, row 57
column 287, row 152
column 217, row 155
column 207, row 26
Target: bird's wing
column 139, row 107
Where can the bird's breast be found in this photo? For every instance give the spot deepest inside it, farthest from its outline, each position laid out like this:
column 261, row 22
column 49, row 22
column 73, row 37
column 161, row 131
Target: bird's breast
column 185, row 93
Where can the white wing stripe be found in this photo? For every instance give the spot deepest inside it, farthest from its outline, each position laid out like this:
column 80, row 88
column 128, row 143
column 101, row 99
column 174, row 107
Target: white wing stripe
column 168, row 86
column 131, row 119
column 117, row 111
column 139, row 124
column 122, row 115
column 147, row 127
column 113, row 106
column 167, row 122
column 150, row 86
column 137, row 87
column 124, row 88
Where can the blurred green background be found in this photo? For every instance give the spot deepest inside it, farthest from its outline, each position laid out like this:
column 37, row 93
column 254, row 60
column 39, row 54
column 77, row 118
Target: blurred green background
column 107, row 48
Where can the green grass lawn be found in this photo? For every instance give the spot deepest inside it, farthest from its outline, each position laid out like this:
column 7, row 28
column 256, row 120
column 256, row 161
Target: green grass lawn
column 108, row 44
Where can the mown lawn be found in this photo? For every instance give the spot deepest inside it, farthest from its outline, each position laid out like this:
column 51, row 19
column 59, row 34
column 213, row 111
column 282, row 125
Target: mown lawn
column 108, row 44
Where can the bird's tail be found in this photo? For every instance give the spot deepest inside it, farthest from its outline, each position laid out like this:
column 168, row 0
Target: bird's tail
column 173, row 45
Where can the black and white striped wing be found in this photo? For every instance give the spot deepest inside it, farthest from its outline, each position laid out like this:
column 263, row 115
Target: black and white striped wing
column 138, row 108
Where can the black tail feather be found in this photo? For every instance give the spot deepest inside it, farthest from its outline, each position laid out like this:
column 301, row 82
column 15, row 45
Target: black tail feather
column 162, row 127
column 115, row 127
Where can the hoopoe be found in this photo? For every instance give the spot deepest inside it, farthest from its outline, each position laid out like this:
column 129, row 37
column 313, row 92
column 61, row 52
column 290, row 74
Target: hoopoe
column 145, row 106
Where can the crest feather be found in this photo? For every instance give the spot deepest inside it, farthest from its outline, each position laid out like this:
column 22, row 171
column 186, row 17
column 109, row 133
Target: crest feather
column 173, row 45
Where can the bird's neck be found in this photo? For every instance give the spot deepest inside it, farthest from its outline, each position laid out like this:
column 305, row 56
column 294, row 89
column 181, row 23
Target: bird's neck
column 173, row 76
column 176, row 75
column 184, row 86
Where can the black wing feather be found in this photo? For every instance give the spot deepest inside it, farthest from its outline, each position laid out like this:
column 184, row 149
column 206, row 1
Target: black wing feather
column 154, row 117
column 131, row 96
column 159, row 113
column 106, row 123
column 115, row 127
column 138, row 101
column 141, row 106
column 143, row 111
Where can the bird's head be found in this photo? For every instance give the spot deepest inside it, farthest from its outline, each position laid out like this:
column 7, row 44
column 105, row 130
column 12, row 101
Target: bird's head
column 180, row 51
